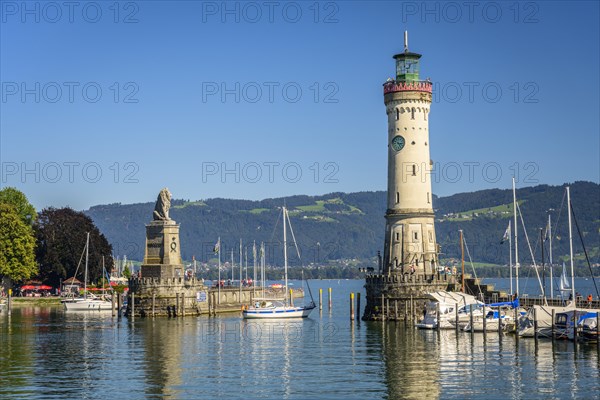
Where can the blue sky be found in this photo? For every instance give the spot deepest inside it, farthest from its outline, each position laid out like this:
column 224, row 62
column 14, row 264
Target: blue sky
column 103, row 104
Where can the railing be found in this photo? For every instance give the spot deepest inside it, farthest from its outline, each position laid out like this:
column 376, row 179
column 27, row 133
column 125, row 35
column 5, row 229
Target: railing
column 402, row 86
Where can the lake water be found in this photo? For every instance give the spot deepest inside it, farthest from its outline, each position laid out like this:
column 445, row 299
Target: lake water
column 46, row 353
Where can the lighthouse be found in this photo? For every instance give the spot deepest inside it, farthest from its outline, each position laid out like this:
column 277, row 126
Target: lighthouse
column 409, row 267
column 410, row 244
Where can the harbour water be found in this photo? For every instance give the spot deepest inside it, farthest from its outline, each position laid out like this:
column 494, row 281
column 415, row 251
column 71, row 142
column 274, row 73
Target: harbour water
column 46, row 353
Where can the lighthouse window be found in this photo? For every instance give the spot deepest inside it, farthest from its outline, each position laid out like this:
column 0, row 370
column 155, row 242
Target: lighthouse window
column 414, row 170
column 430, row 237
column 412, row 113
column 397, row 114
column 397, row 197
column 428, row 201
column 416, row 236
column 397, row 236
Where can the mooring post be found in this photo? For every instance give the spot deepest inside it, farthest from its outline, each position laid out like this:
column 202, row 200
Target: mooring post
column 119, row 305
column 112, row 304
column 358, row 306
column 535, row 324
column 153, row 301
column 182, row 305
column 405, row 310
column 9, row 300
column 471, row 320
column 456, row 315
column 329, row 290
column 382, row 308
column 320, row 299
column 176, row 304
column 485, row 319
column 387, row 309
column 574, row 326
column 351, row 306
column 396, row 309
column 132, row 306
column 437, row 314
column 516, row 319
column 553, row 328
column 292, row 297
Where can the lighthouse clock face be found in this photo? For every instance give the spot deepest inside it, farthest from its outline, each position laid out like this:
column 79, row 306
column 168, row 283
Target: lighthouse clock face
column 397, row 143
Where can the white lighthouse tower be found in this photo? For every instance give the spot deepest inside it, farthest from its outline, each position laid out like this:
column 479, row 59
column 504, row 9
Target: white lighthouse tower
column 410, row 245
column 410, row 259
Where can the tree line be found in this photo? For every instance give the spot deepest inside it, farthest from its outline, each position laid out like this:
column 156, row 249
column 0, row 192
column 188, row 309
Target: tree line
column 47, row 246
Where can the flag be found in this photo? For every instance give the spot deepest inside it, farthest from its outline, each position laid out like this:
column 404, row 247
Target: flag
column 217, row 247
column 506, row 234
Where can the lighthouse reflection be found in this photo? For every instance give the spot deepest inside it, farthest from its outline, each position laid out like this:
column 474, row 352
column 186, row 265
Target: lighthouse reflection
column 410, row 370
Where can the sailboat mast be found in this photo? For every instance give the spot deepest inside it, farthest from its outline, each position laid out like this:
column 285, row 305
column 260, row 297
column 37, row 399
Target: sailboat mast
column 241, row 265
column 219, row 284
column 510, row 260
column 85, row 277
column 285, row 259
column 254, row 262
column 516, row 237
column 550, row 255
column 543, row 265
column 262, row 267
column 571, row 244
column 462, row 261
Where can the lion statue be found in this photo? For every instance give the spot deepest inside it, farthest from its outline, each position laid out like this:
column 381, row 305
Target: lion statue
column 161, row 209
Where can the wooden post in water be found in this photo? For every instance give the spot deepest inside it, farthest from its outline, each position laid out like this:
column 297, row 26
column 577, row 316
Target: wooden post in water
column 437, row 314
column 516, row 319
column 358, row 306
column 351, row 306
column 535, row 324
column 485, row 319
column 153, row 301
column 574, row 326
column 9, row 302
column 118, row 305
column 387, row 308
column 182, row 305
column 112, row 304
column 396, row 309
column 320, row 299
column 382, row 308
column 132, row 306
column 471, row 320
column 329, row 290
column 499, row 325
column 456, row 316
column 553, row 317
column 176, row 304
column 405, row 310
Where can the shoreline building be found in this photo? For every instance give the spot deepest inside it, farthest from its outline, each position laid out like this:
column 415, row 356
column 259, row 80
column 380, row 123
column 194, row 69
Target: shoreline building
column 409, row 268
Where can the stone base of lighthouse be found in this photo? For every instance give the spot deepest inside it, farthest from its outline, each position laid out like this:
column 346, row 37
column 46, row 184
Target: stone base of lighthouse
column 402, row 297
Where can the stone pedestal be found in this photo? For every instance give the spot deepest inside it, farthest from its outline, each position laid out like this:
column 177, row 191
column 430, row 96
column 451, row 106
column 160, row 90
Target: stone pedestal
column 162, row 258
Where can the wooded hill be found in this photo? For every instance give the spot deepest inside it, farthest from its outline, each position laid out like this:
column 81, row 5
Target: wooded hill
column 351, row 225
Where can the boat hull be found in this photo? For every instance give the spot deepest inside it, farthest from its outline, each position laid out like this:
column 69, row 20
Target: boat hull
column 88, row 305
column 277, row 312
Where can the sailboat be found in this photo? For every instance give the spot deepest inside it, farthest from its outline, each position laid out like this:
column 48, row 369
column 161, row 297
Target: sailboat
column 265, row 308
column 88, row 302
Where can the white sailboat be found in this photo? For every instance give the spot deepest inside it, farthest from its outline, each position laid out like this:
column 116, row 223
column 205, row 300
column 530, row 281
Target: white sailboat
column 264, row 308
column 88, row 302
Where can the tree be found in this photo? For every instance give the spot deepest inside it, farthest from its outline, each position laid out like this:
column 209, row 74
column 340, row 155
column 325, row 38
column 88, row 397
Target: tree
column 17, row 245
column 19, row 201
column 126, row 272
column 61, row 236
